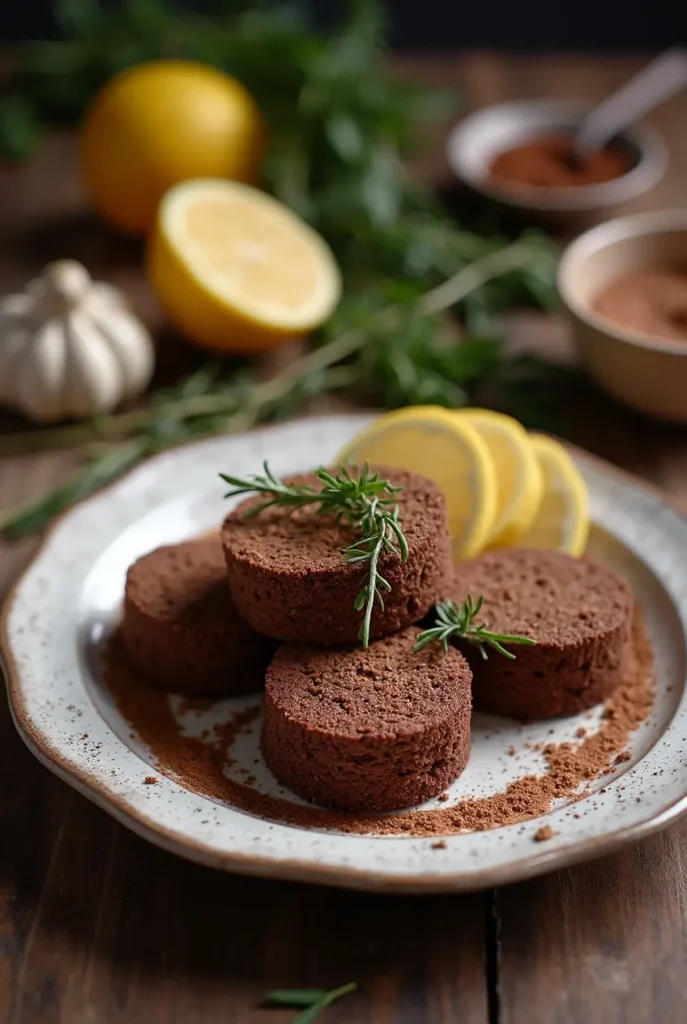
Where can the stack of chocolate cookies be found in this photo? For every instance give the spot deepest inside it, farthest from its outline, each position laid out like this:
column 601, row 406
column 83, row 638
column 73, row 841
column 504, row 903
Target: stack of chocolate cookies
column 383, row 727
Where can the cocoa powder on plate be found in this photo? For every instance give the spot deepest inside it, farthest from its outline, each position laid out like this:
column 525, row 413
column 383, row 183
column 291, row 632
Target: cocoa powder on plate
column 199, row 765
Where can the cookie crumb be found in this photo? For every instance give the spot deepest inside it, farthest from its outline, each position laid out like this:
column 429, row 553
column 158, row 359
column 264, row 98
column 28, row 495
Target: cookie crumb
column 511, row 751
column 441, row 845
column 543, row 833
column 624, row 755
column 444, row 796
column 150, row 780
column 568, row 766
column 581, row 732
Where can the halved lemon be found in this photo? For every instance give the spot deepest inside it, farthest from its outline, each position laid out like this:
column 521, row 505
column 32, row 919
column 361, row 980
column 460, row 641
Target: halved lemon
column 235, row 270
column 519, row 479
column 562, row 520
column 431, row 441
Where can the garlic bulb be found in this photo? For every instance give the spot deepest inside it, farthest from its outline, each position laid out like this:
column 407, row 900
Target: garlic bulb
column 70, row 347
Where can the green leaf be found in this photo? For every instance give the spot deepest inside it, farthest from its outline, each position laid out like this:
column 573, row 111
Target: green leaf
column 313, row 1012
column 344, row 136
column 381, row 186
column 437, row 105
column 19, row 128
column 295, row 996
column 78, row 17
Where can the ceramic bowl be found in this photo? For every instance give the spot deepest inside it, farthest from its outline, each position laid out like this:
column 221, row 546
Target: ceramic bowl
column 647, row 373
column 474, row 143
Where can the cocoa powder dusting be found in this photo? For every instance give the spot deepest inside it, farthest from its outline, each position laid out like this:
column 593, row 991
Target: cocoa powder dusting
column 199, row 765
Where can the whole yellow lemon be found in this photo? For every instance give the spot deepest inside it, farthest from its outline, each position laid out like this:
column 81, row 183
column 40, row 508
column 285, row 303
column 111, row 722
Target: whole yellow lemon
column 161, row 123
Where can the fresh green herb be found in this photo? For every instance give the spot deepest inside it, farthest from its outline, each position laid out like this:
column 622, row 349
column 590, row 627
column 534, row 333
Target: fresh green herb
column 458, row 622
column 339, row 121
column 295, row 996
column 389, row 355
column 315, row 1000
column 364, row 500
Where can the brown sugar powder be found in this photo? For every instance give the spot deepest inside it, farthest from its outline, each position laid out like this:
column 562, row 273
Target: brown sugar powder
column 199, row 765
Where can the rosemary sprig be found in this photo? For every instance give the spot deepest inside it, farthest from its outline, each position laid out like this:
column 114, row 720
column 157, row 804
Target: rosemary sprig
column 314, row 1000
column 458, row 622
column 390, row 350
column 339, row 124
column 365, row 500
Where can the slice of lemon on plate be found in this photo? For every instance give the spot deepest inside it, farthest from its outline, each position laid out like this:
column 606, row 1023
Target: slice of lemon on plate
column 235, row 270
column 562, row 520
column 519, row 479
column 431, row 441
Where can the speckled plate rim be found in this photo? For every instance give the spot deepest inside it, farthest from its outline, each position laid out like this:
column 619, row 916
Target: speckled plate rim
column 403, row 864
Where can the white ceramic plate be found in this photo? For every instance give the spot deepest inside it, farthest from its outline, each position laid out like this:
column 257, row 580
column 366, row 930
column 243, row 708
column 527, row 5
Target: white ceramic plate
column 69, row 598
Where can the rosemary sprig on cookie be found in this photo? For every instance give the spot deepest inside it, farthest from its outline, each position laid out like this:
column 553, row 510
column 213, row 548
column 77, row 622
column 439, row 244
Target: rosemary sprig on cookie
column 366, row 501
column 457, row 622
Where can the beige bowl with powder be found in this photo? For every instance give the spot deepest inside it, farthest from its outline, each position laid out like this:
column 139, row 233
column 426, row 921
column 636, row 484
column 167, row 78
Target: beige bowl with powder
column 645, row 372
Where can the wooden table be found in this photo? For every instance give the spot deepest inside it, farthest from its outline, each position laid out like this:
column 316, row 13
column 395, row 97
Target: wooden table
column 98, row 926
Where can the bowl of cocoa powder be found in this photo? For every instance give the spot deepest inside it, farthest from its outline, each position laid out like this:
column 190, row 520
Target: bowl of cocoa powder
column 520, row 154
column 624, row 287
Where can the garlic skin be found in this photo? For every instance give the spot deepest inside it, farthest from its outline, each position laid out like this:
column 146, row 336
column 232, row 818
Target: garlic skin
column 70, row 347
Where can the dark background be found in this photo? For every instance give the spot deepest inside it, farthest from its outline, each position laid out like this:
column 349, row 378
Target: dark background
column 451, row 24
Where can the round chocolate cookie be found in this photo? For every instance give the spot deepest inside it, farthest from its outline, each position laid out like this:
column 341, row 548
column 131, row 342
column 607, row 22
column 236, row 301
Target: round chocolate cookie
column 367, row 730
column 180, row 627
column 290, row 580
column 580, row 614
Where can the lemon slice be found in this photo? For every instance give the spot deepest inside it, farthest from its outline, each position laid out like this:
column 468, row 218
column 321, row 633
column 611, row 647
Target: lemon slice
column 236, row 270
column 519, row 480
column 562, row 521
column 431, row 441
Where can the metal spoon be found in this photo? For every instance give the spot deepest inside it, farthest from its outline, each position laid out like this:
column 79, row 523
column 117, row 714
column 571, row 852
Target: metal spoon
column 658, row 81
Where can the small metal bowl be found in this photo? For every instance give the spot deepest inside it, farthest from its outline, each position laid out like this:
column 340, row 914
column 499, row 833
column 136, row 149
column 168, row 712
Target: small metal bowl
column 646, row 373
column 474, row 144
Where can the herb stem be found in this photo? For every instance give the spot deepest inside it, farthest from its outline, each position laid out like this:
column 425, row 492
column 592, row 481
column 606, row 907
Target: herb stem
column 457, row 622
column 311, row 1014
column 118, row 425
column 452, row 291
column 365, row 501
column 31, row 516
column 372, row 592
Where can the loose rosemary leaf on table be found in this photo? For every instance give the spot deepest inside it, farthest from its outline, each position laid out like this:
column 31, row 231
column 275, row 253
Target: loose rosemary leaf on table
column 313, row 1001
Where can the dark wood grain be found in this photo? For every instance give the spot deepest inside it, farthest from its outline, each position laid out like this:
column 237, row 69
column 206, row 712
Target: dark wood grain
column 601, row 942
column 98, row 926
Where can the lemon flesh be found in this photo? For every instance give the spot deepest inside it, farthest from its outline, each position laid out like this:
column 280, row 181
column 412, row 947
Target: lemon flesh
column 562, row 520
column 519, row 479
column 235, row 270
column 431, row 441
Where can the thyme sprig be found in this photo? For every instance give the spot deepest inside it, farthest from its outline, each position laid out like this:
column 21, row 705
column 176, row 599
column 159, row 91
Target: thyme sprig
column 312, row 1000
column 455, row 621
column 365, row 500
